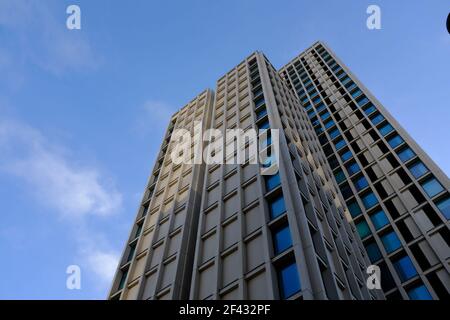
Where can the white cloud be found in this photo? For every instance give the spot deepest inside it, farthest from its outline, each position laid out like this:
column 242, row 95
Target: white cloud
column 73, row 191
column 103, row 264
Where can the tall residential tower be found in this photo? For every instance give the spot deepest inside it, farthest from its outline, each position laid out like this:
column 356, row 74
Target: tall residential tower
column 352, row 189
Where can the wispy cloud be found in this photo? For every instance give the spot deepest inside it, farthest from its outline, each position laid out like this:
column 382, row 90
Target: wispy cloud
column 70, row 189
column 41, row 37
column 76, row 194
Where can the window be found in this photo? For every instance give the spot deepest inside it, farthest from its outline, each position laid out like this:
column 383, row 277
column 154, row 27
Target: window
column 432, row 187
column 384, row 130
column 339, row 143
column 363, row 229
column 405, row 268
column 334, row 133
column 369, row 109
column 329, row 124
column 369, row 200
column 354, row 208
column 131, row 252
column 405, row 154
column 379, row 219
column 362, row 101
column 340, row 176
column 444, row 207
column 373, row 251
column 346, row 190
column 356, row 93
column 325, row 115
column 360, row 183
column 288, row 280
column 391, row 242
column 377, row 119
column 259, row 102
column 277, row 206
column 272, row 181
column 419, row 292
column 352, row 168
column 261, row 113
column 282, row 239
column 346, row 155
column 122, row 279
column 395, row 141
column 320, row 107
column 138, row 231
column 264, row 125
column 417, row 169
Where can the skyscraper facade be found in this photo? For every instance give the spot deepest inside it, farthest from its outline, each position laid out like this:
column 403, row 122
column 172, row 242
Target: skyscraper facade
column 396, row 195
column 352, row 189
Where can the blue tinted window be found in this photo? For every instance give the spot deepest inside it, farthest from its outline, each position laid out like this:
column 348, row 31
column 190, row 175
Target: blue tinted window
column 405, row 268
column 379, row 219
column 325, row 115
column 432, row 187
column 277, row 207
column 369, row 109
column 395, row 141
column 346, row 155
column 444, row 207
column 264, row 125
column 352, row 168
column 289, row 280
column 369, row 200
column 356, row 93
column 384, row 130
column 320, row 107
column 363, row 229
column 340, row 176
column 329, row 124
column 282, row 239
column 316, row 100
column 354, row 208
column 373, row 252
column 360, row 183
column 272, row 181
column 406, row 154
column 419, row 293
column 391, row 242
column 334, row 133
column 315, row 122
column 377, row 119
column 351, row 85
column 362, row 101
column 418, row 169
column 261, row 113
column 259, row 102
column 339, row 143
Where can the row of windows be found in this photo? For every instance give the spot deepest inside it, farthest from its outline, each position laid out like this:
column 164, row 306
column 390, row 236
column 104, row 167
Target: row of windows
column 288, row 278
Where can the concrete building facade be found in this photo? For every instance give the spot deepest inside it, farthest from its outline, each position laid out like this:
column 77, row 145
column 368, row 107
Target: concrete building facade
column 229, row 231
column 396, row 195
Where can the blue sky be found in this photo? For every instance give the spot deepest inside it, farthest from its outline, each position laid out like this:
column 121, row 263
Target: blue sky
column 82, row 112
